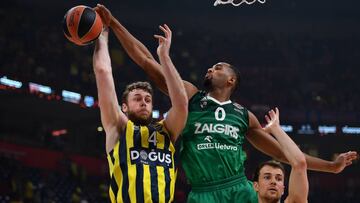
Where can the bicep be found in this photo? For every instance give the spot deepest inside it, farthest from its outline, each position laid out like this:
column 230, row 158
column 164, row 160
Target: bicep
column 190, row 89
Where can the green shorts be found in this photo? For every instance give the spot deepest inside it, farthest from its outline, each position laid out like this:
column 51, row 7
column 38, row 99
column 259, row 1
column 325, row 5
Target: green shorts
column 234, row 189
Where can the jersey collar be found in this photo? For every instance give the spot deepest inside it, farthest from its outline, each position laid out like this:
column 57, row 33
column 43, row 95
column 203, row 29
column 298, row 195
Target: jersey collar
column 217, row 101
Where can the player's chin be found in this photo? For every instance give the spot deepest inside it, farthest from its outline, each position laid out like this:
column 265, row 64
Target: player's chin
column 141, row 119
column 274, row 194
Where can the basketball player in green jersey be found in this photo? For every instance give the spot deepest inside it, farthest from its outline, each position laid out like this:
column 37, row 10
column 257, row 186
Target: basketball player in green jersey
column 212, row 154
column 140, row 153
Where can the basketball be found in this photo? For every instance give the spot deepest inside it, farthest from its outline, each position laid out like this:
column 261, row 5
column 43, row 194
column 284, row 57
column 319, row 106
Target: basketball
column 82, row 25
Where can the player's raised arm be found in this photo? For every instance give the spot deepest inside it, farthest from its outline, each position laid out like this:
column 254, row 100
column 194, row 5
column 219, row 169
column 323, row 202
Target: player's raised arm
column 177, row 115
column 112, row 118
column 298, row 181
column 138, row 52
column 265, row 143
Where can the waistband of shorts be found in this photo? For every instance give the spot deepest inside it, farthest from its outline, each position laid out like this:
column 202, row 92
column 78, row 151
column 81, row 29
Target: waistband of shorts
column 219, row 184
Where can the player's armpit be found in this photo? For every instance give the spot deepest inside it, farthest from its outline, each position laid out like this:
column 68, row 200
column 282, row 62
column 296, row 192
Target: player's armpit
column 190, row 89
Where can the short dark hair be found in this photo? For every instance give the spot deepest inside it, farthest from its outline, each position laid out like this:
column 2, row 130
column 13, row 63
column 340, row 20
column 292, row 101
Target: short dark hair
column 272, row 163
column 237, row 75
column 136, row 85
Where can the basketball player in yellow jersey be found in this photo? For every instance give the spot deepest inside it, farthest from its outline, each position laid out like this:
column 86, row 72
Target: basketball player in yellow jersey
column 140, row 153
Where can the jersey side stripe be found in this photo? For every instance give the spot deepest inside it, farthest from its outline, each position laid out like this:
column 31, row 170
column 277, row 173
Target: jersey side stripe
column 131, row 168
column 117, row 172
column 124, row 169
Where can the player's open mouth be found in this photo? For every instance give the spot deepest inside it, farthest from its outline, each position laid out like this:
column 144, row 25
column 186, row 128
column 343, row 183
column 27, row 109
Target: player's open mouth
column 273, row 189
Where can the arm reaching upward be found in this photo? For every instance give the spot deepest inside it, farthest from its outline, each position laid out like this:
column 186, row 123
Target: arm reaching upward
column 267, row 144
column 176, row 118
column 298, row 181
column 112, row 118
column 138, row 52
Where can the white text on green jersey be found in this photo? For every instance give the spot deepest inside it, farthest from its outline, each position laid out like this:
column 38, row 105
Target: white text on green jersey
column 226, row 129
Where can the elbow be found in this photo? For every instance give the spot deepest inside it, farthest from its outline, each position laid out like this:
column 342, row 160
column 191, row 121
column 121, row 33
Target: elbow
column 100, row 68
column 300, row 163
column 184, row 103
column 183, row 108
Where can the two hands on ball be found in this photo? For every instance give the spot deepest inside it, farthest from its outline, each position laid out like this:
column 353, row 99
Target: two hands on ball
column 339, row 163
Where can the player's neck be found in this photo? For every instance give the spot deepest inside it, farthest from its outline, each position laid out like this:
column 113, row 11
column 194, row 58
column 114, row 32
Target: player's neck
column 220, row 95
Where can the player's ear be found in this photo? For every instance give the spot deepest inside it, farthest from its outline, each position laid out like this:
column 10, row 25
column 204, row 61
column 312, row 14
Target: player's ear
column 231, row 81
column 124, row 108
column 256, row 186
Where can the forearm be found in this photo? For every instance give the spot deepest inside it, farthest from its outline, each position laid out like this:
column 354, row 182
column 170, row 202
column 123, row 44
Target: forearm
column 312, row 163
column 317, row 164
column 105, row 83
column 139, row 54
column 174, row 83
column 136, row 50
column 294, row 156
column 270, row 146
column 101, row 57
column 290, row 150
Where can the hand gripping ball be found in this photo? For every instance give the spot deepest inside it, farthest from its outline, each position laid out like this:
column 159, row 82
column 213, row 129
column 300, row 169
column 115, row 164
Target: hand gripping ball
column 82, row 25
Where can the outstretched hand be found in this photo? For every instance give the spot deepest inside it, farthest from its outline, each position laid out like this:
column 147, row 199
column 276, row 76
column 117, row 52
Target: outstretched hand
column 344, row 160
column 273, row 120
column 105, row 14
column 164, row 41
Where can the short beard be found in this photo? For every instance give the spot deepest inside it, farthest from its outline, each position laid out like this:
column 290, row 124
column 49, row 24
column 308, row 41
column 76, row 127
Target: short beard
column 208, row 85
column 137, row 120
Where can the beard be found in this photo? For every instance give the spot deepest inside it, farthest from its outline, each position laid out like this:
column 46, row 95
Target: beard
column 208, row 85
column 139, row 120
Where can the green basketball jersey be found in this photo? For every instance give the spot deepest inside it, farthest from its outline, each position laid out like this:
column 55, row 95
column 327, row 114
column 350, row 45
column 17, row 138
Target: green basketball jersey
column 212, row 139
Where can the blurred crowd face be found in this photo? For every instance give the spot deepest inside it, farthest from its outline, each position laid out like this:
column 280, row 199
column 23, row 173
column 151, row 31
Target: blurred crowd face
column 138, row 106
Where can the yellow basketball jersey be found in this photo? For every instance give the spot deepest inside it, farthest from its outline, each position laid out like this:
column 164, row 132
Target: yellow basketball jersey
column 142, row 165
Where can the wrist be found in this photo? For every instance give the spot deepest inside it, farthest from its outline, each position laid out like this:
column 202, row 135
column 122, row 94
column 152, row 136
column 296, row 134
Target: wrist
column 275, row 130
column 332, row 167
column 112, row 22
column 165, row 56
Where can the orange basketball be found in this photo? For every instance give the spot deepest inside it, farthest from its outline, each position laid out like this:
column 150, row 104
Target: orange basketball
column 82, row 25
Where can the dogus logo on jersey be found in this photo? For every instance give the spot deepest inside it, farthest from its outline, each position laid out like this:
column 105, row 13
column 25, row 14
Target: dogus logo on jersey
column 153, row 157
column 217, row 128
